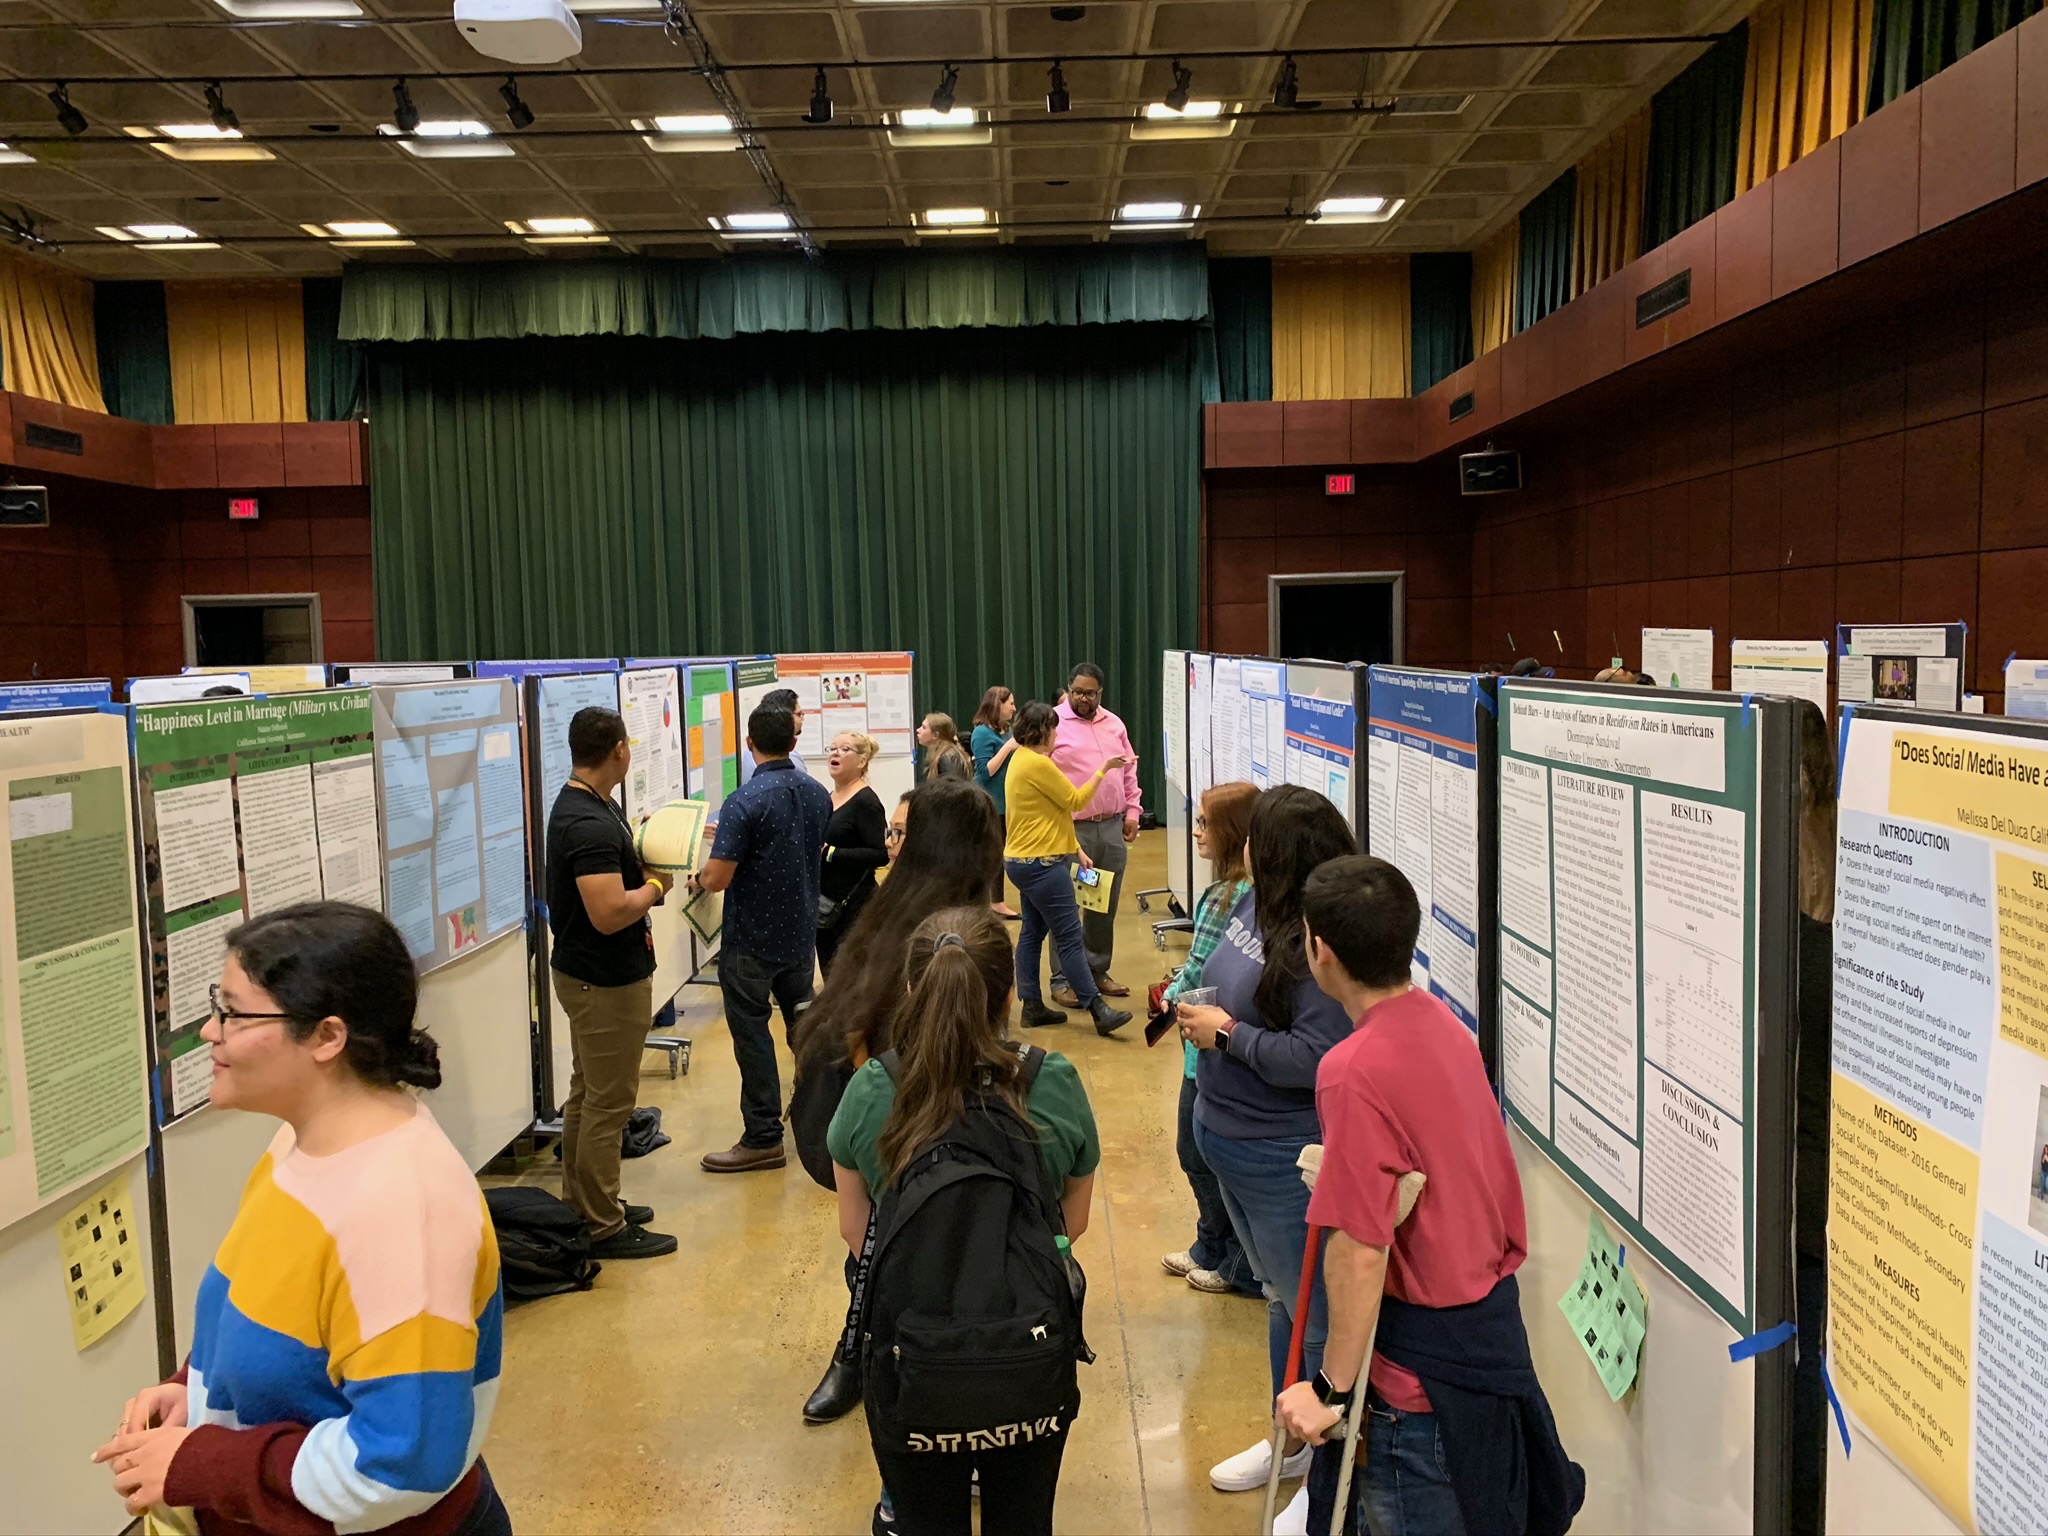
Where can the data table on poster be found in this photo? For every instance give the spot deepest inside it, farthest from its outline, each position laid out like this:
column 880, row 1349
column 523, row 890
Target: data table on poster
column 1627, row 914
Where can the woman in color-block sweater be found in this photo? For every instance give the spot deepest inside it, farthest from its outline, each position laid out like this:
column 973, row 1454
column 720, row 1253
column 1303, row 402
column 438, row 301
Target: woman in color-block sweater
column 347, row 1335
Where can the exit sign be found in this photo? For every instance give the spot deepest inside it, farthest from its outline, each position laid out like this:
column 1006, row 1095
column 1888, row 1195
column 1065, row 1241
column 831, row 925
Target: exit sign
column 242, row 509
column 1340, row 485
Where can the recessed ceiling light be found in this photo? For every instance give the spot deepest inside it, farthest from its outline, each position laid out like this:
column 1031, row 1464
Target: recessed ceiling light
column 573, row 225
column 934, row 129
column 691, row 133
column 767, row 224
column 352, row 229
column 290, row 10
column 699, row 122
column 1151, row 213
column 158, row 237
column 448, row 138
column 15, row 157
column 1159, row 111
column 1357, row 210
column 614, row 5
column 564, row 229
column 199, row 142
column 162, row 232
column 957, row 218
column 1197, row 120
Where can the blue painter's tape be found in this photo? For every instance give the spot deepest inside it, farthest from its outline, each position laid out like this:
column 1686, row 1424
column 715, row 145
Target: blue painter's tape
column 540, row 910
column 149, row 1160
column 108, row 708
column 1761, row 1343
column 1748, row 701
column 1841, row 1419
column 1621, row 1255
column 1842, row 746
column 1486, row 703
column 2009, row 660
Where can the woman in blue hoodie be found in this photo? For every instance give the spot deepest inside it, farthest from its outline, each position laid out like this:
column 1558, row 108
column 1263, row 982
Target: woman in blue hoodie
column 1255, row 1079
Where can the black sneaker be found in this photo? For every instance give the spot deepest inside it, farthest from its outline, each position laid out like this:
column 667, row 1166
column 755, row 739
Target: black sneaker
column 1037, row 1016
column 638, row 1215
column 633, row 1242
column 1108, row 1020
column 883, row 1522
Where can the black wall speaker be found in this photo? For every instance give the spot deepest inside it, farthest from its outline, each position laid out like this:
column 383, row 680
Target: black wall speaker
column 1489, row 473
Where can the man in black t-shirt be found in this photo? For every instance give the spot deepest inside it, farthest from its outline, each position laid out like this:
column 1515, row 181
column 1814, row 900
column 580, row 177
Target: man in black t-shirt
column 603, row 960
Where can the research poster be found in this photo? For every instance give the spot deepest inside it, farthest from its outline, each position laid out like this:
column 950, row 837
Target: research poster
column 74, row 1078
column 1230, row 757
column 1178, row 813
column 650, row 700
column 247, row 805
column 1680, row 658
column 76, row 693
column 454, row 814
column 1917, row 665
column 1423, row 818
column 753, row 680
column 1938, row 1210
column 1262, row 725
column 710, row 717
column 864, row 691
column 558, row 698
column 1201, row 693
column 1795, row 668
column 2026, row 689
column 1320, row 743
column 1628, row 853
column 295, row 677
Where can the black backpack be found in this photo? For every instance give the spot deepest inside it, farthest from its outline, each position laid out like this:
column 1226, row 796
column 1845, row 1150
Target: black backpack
column 543, row 1246
column 972, row 1323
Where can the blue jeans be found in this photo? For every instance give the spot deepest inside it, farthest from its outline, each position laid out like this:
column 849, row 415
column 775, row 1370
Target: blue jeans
column 1046, row 894
column 752, row 987
column 1215, row 1246
column 1404, row 1488
column 1268, row 1206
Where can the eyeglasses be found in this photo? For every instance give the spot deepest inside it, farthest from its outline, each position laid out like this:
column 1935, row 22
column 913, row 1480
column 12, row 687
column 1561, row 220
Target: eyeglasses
column 893, row 835
column 1201, row 822
column 232, row 1018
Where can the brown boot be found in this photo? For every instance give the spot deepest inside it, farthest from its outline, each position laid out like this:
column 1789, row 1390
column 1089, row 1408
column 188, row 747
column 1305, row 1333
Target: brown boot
column 1109, row 986
column 1065, row 997
column 744, row 1159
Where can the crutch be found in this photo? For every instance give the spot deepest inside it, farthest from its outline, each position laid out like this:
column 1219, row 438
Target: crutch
column 1303, row 1297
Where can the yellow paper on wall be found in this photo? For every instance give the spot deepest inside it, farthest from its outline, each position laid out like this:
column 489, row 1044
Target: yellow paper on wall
column 102, row 1259
column 1095, row 897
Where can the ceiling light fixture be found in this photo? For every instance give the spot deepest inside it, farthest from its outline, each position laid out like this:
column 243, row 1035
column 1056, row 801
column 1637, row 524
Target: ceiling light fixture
column 448, row 138
column 1056, row 98
column 1160, row 215
column 558, row 229
column 957, row 218
column 203, row 142
column 757, row 223
column 820, row 110
column 1287, row 89
column 404, row 115
column 290, row 10
column 15, row 157
column 1183, row 80
column 158, row 237
column 220, row 112
column 1363, row 209
column 69, row 118
column 687, row 133
column 517, row 112
column 949, row 86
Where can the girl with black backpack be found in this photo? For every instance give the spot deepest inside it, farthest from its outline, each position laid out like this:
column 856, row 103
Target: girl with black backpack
column 978, row 1158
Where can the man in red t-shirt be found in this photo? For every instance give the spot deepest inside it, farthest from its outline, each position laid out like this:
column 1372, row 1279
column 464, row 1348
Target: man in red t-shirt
column 1408, row 1092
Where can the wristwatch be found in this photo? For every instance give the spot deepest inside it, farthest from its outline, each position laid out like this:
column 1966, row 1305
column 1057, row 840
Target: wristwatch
column 1330, row 1396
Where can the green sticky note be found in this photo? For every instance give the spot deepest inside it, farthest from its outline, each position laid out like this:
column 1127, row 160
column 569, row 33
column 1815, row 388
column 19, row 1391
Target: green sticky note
column 1605, row 1309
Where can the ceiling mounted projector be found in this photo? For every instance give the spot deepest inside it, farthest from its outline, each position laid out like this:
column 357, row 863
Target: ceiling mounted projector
column 520, row 31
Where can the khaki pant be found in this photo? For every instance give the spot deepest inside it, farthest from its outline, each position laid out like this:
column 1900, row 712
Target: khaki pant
column 607, row 1037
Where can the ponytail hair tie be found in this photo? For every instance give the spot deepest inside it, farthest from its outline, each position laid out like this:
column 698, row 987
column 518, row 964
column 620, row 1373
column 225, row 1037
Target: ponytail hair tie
column 947, row 938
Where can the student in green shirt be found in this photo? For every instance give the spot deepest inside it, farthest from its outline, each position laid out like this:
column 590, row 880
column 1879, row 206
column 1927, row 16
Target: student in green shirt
column 949, row 1039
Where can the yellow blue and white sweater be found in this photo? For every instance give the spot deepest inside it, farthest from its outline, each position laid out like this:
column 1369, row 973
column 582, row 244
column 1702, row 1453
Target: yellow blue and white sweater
column 346, row 1348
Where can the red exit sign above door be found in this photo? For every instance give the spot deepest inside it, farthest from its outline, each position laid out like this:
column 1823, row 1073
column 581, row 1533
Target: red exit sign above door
column 1345, row 484
column 242, row 509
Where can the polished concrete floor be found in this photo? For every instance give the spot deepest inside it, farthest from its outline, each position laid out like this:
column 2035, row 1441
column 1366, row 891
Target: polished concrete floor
column 666, row 1399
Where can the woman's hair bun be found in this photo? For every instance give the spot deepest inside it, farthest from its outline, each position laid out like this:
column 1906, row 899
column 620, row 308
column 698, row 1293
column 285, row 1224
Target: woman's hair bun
column 419, row 1062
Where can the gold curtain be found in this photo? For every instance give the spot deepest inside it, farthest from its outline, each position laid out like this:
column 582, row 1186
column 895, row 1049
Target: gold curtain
column 1607, row 210
column 1494, row 269
column 1340, row 329
column 48, row 347
column 238, row 350
column 1804, row 81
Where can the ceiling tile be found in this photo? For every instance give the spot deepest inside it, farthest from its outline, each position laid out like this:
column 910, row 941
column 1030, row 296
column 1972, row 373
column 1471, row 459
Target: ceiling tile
column 920, row 31
column 1216, row 24
column 1290, row 154
column 1111, row 28
column 772, row 36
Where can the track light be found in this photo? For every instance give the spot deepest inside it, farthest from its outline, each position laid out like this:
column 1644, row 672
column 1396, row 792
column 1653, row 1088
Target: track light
column 1183, row 81
column 821, row 99
column 405, row 117
column 1056, row 97
column 949, row 84
column 1286, row 90
column 69, row 118
column 218, row 109
column 517, row 112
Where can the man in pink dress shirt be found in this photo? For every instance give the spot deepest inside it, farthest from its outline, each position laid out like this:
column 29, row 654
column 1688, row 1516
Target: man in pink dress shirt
column 1106, row 825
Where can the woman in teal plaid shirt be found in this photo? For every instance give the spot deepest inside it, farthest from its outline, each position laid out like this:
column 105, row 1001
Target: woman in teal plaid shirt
column 1215, row 1261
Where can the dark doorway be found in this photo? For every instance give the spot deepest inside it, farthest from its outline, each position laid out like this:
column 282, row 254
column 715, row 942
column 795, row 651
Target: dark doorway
column 1352, row 616
column 269, row 630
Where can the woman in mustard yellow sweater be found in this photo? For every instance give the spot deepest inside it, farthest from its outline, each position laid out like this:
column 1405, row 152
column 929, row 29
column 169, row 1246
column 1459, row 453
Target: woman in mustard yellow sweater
column 1039, row 856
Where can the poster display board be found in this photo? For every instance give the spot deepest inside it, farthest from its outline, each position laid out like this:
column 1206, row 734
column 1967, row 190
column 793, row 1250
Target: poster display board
column 650, row 700
column 245, row 805
column 74, row 693
column 1680, row 658
column 711, row 723
column 453, row 823
column 1430, row 790
column 754, row 678
column 2026, row 689
column 867, row 691
column 1262, row 724
column 1796, row 668
column 297, row 677
column 74, row 1081
column 364, row 672
column 1938, row 1201
column 1913, row 664
column 1320, row 716
column 1173, row 746
column 1201, row 768
column 174, row 690
column 1229, row 757
column 1631, row 910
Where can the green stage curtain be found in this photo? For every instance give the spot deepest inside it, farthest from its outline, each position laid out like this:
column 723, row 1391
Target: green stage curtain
column 1241, row 293
column 1440, row 315
column 854, row 291
column 134, row 345
column 1543, row 278
column 1004, row 510
column 1914, row 39
column 334, row 368
column 1695, row 133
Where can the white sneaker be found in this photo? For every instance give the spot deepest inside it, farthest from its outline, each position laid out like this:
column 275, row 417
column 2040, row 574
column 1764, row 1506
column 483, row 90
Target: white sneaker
column 1247, row 1469
column 1293, row 1520
column 1178, row 1263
